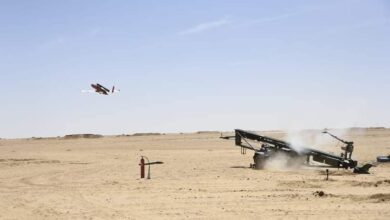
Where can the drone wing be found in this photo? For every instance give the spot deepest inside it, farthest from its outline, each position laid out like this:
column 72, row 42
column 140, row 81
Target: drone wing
column 103, row 88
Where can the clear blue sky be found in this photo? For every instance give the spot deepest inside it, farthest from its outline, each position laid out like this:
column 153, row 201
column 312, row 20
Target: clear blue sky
column 192, row 65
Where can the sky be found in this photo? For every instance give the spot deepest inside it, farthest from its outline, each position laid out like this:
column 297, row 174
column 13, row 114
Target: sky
column 185, row 66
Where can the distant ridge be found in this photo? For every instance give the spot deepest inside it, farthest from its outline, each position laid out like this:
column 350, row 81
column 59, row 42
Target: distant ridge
column 207, row 132
column 146, row 134
column 75, row 136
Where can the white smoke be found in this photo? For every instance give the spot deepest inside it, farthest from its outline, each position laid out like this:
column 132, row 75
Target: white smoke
column 281, row 161
column 318, row 140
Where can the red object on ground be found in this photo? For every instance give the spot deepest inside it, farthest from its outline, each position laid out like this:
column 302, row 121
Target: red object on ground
column 142, row 164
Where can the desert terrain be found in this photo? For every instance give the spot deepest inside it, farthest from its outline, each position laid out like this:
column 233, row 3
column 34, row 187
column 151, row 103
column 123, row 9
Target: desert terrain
column 203, row 177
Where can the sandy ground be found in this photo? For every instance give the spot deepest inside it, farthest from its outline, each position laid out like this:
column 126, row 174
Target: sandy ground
column 203, row 177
